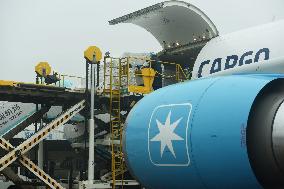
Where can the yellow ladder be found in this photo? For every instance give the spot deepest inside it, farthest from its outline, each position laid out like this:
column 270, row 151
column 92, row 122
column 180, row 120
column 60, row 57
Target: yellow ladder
column 116, row 78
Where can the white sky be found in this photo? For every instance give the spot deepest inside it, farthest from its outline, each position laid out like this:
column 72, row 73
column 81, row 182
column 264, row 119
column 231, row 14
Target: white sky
column 58, row 31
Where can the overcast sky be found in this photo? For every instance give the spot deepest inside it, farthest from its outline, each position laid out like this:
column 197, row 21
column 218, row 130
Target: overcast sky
column 58, row 31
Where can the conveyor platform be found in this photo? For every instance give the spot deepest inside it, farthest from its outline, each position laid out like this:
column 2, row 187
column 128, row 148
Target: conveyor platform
column 38, row 94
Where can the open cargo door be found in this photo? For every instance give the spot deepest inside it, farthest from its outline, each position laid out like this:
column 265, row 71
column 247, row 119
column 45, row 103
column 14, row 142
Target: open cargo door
column 181, row 28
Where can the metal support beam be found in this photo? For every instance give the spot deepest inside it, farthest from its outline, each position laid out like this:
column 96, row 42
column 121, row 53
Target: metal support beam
column 92, row 128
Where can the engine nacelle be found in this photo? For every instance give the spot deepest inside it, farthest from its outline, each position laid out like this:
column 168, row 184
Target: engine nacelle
column 219, row 133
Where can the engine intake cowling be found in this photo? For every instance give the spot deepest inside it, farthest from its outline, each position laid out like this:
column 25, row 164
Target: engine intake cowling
column 208, row 133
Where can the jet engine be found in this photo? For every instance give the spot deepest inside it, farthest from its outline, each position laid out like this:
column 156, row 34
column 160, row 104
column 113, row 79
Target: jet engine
column 215, row 133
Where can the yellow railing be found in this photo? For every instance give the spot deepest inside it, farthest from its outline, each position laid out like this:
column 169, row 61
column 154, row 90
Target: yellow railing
column 140, row 80
column 178, row 75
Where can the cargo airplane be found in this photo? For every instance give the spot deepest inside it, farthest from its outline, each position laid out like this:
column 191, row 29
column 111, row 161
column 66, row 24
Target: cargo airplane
column 224, row 128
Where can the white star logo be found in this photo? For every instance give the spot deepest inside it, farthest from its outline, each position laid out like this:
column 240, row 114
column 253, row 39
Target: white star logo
column 167, row 135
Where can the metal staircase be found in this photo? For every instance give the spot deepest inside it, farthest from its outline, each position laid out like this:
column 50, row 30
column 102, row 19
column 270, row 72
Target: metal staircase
column 116, row 78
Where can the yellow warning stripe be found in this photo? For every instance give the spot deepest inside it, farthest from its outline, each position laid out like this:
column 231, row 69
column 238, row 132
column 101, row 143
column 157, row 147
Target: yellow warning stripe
column 36, row 138
column 5, row 145
column 40, row 173
column 10, row 157
column 32, row 167
column 7, row 83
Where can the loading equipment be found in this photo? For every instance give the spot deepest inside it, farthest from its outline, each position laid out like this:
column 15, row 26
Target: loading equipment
column 19, row 152
column 117, row 88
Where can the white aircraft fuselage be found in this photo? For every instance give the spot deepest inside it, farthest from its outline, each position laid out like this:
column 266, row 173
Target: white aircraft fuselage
column 253, row 50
